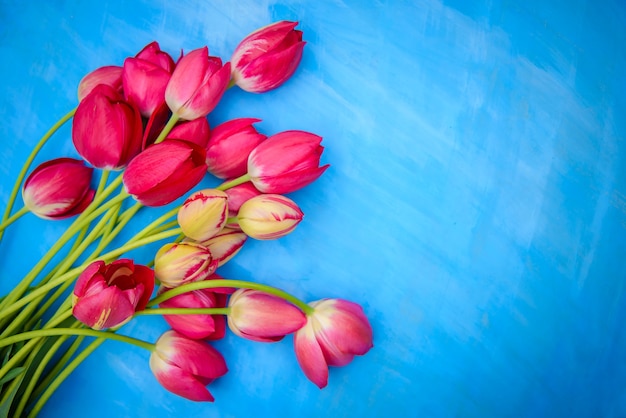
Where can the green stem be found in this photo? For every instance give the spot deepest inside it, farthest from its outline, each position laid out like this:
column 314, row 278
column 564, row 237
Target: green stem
column 29, row 161
column 51, row 332
column 184, row 311
column 210, row 284
column 17, row 215
column 234, row 182
column 168, row 127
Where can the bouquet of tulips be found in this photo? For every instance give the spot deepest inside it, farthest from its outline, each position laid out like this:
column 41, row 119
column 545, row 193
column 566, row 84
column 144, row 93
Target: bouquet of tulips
column 142, row 132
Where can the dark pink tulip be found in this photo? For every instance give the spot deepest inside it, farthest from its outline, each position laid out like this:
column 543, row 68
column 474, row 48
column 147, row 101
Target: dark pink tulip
column 334, row 333
column 145, row 78
column 185, row 366
column 229, row 146
column 197, row 84
column 110, row 75
column 286, row 162
column 196, row 131
column 58, row 189
column 266, row 58
column 164, row 172
column 198, row 326
column 259, row 316
column 108, row 295
column 107, row 130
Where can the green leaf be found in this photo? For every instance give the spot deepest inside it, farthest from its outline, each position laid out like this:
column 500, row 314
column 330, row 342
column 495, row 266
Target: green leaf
column 5, row 407
column 11, row 375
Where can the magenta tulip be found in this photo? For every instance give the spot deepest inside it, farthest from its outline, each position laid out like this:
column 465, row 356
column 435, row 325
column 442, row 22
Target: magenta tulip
column 110, row 75
column 107, row 130
column 164, row 172
column 196, row 131
column 335, row 332
column 108, row 295
column 286, row 162
column 229, row 146
column 145, row 78
column 259, row 316
column 185, row 366
column 58, row 189
column 266, row 58
column 197, row 84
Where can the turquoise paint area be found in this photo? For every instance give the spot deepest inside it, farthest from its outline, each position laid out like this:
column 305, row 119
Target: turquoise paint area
column 475, row 205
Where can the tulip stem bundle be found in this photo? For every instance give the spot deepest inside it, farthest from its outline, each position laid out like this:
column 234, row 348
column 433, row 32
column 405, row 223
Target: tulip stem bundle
column 147, row 122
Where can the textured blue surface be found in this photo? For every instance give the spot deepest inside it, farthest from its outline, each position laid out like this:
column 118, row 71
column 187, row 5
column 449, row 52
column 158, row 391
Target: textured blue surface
column 475, row 206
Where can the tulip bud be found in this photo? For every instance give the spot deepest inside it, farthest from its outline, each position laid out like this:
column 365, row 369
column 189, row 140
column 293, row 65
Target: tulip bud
column 145, row 78
column 58, row 189
column 203, row 214
column 266, row 58
column 106, row 130
column 259, row 316
column 286, row 162
column 229, row 146
column 108, row 295
column 185, row 366
column 225, row 244
column 185, row 262
column 237, row 195
column 334, row 333
column 197, row 326
column 197, row 84
column 164, row 172
column 269, row 216
column 110, row 75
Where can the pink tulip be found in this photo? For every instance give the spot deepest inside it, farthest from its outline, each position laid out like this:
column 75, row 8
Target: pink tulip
column 225, row 244
column 259, row 316
column 185, row 262
column 334, row 333
column 269, row 216
column 203, row 214
column 286, row 162
column 185, row 366
column 145, row 78
column 108, row 295
column 196, row 131
column 106, row 130
column 266, row 58
column 164, row 172
column 197, row 84
column 229, row 146
column 58, row 189
column 198, row 326
column 110, row 75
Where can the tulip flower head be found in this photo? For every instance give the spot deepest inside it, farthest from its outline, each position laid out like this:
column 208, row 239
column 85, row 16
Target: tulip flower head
column 196, row 131
column 110, row 75
column 203, row 214
column 266, row 58
column 108, row 295
column 197, row 84
column 269, row 216
column 335, row 332
column 286, row 162
column 225, row 244
column 106, row 130
column 229, row 146
column 185, row 366
column 164, row 172
column 58, row 189
column 259, row 316
column 185, row 262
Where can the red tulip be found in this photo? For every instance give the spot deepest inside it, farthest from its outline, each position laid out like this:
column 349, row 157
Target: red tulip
column 185, row 366
column 334, row 333
column 266, row 58
column 145, row 77
column 259, row 316
column 286, row 162
column 197, row 84
column 110, row 75
column 107, row 130
column 108, row 295
column 196, row 131
column 58, row 189
column 229, row 146
column 164, row 172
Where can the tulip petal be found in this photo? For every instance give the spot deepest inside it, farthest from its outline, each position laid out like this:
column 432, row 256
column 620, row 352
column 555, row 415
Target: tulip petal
column 310, row 356
column 179, row 381
column 106, row 309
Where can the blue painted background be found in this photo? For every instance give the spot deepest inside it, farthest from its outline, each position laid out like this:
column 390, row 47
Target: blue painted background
column 475, row 205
